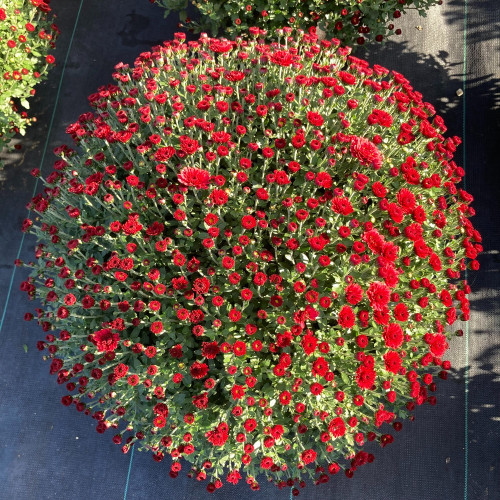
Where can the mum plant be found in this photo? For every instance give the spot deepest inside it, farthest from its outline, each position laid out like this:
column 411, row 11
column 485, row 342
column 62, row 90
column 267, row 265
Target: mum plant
column 27, row 34
column 252, row 257
column 351, row 21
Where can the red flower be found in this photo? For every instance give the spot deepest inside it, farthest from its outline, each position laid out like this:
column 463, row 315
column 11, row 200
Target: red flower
column 164, row 154
column 239, row 348
column 401, row 312
column 353, row 294
column 342, row 205
column 238, row 391
column 346, row 317
column 309, row 343
column 308, row 456
column 320, row 367
column 227, row 262
column 106, row 340
column 198, row 370
column 393, row 335
column 156, row 327
column 210, row 349
column 315, row 119
column 336, row 427
column 378, row 294
column 438, row 344
column 381, row 117
column 316, row 388
column 233, row 477
column 382, row 416
column 282, row 58
column 392, row 361
column 366, row 152
column 188, row 145
column 200, row 401
column 219, row 197
column 194, row 177
column 234, row 315
column 248, row 222
column 298, row 141
column 267, row 153
column 250, row 425
column 324, row 180
column 276, row 301
column 285, row 398
column 365, row 377
column 176, row 351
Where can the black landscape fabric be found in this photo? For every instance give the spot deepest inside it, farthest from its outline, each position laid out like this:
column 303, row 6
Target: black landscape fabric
column 449, row 452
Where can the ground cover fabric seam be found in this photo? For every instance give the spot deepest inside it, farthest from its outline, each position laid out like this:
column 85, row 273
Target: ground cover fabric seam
column 128, row 474
column 466, row 373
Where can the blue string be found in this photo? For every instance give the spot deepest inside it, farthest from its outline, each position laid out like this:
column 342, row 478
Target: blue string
column 43, row 157
column 464, row 143
column 128, row 474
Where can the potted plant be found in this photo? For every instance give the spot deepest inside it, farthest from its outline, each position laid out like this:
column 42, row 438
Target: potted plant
column 253, row 258
column 27, row 34
column 351, row 21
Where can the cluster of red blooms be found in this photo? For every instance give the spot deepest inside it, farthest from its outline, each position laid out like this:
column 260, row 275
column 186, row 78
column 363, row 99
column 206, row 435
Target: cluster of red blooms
column 257, row 249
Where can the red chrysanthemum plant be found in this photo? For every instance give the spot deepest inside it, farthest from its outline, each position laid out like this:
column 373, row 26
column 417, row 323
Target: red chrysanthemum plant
column 252, row 257
column 27, row 34
column 351, row 21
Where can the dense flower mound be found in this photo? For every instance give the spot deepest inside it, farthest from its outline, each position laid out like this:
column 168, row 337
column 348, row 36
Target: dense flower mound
column 351, row 21
column 253, row 256
column 27, row 33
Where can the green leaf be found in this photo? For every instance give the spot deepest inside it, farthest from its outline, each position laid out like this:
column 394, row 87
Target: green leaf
column 25, row 103
column 345, row 378
column 25, row 347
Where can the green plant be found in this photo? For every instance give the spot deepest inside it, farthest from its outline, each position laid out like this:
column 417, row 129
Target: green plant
column 351, row 21
column 252, row 257
column 27, row 34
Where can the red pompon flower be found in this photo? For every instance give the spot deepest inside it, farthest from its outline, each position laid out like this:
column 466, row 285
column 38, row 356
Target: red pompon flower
column 315, row 118
column 346, row 318
column 393, row 335
column 342, row 205
column 106, row 340
column 210, row 349
column 282, row 58
column 239, row 348
column 198, row 370
column 353, row 293
column 366, row 152
column 393, row 361
column 378, row 294
column 365, row 377
column 308, row 456
column 219, row 197
column 238, row 391
column 194, row 177
column 164, row 154
column 285, row 398
column 336, row 427
column 188, row 145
